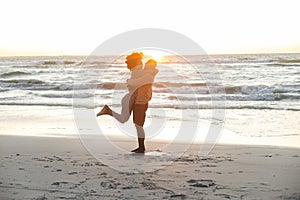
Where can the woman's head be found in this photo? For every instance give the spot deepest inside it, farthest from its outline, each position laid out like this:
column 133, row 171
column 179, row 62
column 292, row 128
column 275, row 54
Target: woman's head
column 134, row 60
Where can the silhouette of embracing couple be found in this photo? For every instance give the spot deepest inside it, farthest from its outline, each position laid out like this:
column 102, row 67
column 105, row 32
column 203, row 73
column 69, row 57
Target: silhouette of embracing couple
column 136, row 100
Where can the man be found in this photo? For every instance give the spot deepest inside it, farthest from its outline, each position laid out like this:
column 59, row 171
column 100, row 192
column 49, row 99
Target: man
column 142, row 97
column 137, row 100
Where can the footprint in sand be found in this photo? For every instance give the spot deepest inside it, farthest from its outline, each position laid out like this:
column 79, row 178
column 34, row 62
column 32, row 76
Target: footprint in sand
column 59, row 183
column 72, row 173
column 41, row 198
column 181, row 196
column 109, row 184
column 201, row 183
column 268, row 156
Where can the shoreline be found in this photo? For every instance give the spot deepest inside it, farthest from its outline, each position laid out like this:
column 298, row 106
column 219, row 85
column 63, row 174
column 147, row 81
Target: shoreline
column 156, row 144
column 42, row 121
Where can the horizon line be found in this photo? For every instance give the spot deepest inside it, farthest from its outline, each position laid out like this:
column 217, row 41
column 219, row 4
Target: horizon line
column 83, row 55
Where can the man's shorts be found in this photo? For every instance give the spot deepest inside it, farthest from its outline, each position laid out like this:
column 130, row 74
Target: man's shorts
column 139, row 113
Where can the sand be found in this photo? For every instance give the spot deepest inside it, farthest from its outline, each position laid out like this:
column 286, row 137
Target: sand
column 61, row 168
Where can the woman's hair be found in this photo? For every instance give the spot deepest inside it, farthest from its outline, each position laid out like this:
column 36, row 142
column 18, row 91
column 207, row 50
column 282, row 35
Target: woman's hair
column 135, row 56
column 134, row 59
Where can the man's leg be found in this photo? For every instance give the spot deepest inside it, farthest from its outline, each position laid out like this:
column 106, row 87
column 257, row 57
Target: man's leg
column 141, row 139
column 139, row 116
column 140, row 131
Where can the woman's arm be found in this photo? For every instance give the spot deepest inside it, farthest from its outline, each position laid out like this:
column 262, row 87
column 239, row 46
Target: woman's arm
column 146, row 77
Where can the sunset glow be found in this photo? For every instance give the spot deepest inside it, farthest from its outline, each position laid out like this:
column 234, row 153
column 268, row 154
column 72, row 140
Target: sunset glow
column 64, row 28
column 155, row 54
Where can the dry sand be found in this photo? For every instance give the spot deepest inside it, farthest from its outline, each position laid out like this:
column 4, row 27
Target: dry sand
column 61, row 168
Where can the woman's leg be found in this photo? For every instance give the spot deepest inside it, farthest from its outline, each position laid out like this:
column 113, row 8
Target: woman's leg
column 105, row 111
column 125, row 110
column 127, row 103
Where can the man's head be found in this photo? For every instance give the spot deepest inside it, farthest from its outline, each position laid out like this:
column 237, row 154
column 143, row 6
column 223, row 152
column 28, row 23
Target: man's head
column 150, row 64
column 134, row 60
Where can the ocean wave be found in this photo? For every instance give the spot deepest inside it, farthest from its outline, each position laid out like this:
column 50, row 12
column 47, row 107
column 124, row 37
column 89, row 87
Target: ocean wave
column 93, row 63
column 69, row 62
column 177, row 85
column 30, row 66
column 14, row 73
column 259, row 89
column 34, row 84
column 234, row 93
column 233, row 98
column 184, row 90
column 288, row 96
column 183, row 106
column 284, row 64
column 49, row 63
column 50, row 87
column 190, row 98
column 70, row 95
column 156, row 85
column 233, row 89
column 3, row 90
column 111, row 85
column 289, row 61
column 180, row 107
column 36, row 104
column 255, row 107
column 221, row 106
column 25, row 82
column 64, row 62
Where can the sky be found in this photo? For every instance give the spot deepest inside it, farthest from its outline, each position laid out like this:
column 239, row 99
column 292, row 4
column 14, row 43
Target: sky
column 53, row 27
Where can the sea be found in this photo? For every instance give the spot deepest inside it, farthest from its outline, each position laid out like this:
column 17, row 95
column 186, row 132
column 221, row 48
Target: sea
column 254, row 97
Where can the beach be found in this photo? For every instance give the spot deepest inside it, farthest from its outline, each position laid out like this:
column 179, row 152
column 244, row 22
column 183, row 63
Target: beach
column 61, row 168
column 223, row 127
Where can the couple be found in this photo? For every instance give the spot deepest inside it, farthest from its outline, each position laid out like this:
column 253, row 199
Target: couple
column 136, row 100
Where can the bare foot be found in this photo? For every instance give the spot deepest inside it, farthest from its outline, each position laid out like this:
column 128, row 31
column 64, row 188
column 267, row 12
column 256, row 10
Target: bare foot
column 140, row 150
column 135, row 149
column 105, row 111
